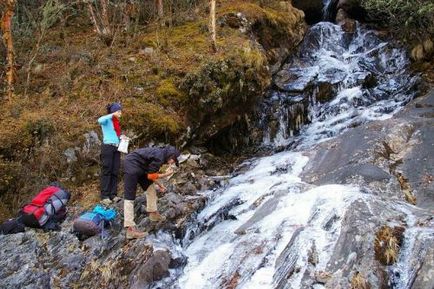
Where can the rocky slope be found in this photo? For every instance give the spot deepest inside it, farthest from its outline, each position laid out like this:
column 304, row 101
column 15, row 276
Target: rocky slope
column 372, row 228
column 37, row 259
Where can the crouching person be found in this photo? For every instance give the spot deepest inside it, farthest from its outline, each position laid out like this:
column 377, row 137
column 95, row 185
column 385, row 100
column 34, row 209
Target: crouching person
column 142, row 167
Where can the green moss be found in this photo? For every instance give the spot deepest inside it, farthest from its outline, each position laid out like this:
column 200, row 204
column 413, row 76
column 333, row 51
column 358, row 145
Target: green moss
column 151, row 121
column 168, row 94
column 224, row 88
column 252, row 57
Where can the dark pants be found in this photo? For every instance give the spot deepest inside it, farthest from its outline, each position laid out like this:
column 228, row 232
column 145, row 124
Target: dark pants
column 111, row 160
column 132, row 177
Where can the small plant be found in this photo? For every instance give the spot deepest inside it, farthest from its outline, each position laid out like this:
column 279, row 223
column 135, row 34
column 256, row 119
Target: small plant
column 39, row 130
column 359, row 282
column 406, row 189
column 387, row 244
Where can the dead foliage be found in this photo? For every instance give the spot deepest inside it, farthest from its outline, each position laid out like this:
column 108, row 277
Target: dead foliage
column 387, row 244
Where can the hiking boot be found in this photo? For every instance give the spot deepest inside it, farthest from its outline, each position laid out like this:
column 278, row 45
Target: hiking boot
column 156, row 217
column 133, row 233
column 116, row 199
column 106, row 201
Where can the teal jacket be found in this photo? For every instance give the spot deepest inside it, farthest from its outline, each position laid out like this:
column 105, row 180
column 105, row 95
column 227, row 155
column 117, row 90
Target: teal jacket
column 108, row 129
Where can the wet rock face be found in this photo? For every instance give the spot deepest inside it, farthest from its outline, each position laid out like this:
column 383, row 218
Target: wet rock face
column 394, row 155
column 313, row 9
column 352, row 259
column 331, row 10
column 376, row 157
column 337, row 69
column 425, row 276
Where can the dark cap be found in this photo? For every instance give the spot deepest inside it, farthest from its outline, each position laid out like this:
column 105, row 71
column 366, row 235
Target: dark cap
column 115, row 106
column 172, row 153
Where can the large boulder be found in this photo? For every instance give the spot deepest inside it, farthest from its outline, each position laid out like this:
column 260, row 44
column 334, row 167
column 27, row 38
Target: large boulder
column 313, row 9
column 352, row 7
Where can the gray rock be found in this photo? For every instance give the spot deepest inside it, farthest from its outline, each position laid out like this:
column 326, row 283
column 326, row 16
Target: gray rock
column 266, row 209
column 92, row 142
column 70, row 155
column 154, row 269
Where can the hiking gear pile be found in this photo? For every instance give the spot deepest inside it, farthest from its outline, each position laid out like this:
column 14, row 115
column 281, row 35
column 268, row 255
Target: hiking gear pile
column 93, row 222
column 47, row 209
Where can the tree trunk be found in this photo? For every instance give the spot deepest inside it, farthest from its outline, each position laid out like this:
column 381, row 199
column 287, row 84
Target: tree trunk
column 105, row 18
column 212, row 25
column 101, row 21
column 6, row 20
column 160, row 10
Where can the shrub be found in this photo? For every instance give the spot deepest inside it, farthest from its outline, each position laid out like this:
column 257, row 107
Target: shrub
column 387, row 244
column 414, row 18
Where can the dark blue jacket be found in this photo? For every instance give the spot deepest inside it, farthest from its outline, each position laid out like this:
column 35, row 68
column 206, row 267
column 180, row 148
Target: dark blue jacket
column 149, row 160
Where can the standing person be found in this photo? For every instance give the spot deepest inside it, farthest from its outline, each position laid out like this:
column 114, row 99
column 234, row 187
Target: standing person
column 142, row 167
column 110, row 156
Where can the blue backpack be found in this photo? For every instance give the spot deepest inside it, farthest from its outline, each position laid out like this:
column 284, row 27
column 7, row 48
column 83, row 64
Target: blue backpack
column 94, row 222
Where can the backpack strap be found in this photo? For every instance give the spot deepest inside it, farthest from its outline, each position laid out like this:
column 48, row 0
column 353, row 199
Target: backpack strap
column 63, row 204
column 50, row 202
column 104, row 234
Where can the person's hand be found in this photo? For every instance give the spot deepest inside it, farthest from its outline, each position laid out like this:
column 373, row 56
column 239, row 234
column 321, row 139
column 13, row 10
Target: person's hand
column 169, row 171
column 162, row 188
column 124, row 137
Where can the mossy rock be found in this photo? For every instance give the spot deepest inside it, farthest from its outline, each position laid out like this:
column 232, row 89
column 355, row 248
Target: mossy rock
column 168, row 94
column 151, row 121
column 222, row 90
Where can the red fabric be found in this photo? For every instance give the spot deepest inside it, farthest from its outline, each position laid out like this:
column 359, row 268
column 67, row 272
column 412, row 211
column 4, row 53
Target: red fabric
column 117, row 125
column 36, row 207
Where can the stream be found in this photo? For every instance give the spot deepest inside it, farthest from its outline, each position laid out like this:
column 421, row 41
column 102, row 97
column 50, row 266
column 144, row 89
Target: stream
column 265, row 226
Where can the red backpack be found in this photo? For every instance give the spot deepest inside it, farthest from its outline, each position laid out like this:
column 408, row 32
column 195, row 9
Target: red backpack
column 49, row 203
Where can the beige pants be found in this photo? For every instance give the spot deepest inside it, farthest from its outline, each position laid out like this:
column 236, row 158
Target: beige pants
column 151, row 199
column 151, row 206
column 129, row 213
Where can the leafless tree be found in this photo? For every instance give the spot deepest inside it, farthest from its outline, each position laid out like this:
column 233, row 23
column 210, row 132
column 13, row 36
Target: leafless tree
column 8, row 7
column 160, row 10
column 99, row 15
column 212, row 25
column 49, row 14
